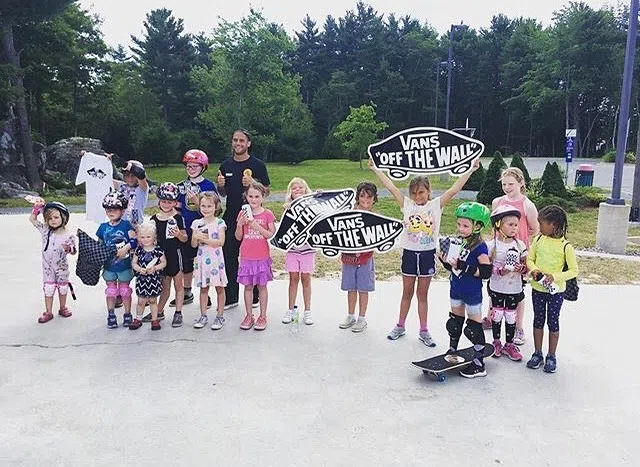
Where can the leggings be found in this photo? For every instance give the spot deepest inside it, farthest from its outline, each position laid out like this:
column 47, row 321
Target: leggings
column 547, row 306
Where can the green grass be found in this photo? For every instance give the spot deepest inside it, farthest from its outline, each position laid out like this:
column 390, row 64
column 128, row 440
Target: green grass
column 21, row 203
column 319, row 173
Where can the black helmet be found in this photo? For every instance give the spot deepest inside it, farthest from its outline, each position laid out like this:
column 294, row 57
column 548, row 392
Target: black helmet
column 61, row 208
column 115, row 200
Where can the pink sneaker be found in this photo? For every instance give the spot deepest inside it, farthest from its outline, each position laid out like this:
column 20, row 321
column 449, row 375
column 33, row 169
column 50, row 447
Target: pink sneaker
column 512, row 351
column 261, row 323
column 247, row 322
column 497, row 348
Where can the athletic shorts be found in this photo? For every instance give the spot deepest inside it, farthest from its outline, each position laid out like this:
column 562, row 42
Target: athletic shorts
column 188, row 255
column 418, row 263
column 299, row 262
column 361, row 278
column 118, row 276
column 505, row 300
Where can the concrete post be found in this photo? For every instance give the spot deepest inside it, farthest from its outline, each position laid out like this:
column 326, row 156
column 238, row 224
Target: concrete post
column 613, row 228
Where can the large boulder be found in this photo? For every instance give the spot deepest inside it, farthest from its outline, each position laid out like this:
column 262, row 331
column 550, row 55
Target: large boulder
column 10, row 189
column 60, row 161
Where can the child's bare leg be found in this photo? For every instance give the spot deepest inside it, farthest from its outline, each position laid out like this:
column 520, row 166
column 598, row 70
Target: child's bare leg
column 48, row 304
column 408, row 285
column 422, row 292
column 352, row 298
column 178, row 284
column 553, row 342
column 305, row 278
column 221, row 299
column 153, row 304
column 294, row 278
column 204, row 298
column 140, row 304
column 520, row 315
column 62, row 297
column 264, row 299
column 164, row 295
column 538, row 335
column 248, row 299
column 363, row 302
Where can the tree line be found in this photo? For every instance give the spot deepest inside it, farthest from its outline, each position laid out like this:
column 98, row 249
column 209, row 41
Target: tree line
column 518, row 83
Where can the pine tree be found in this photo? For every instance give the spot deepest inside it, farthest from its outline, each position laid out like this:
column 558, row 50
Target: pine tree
column 491, row 187
column 518, row 161
column 476, row 180
column 551, row 182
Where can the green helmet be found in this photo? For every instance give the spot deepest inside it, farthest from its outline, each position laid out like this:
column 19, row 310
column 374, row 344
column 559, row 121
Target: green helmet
column 476, row 212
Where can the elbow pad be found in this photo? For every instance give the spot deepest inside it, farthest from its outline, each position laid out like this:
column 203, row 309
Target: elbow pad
column 485, row 270
column 466, row 268
column 138, row 172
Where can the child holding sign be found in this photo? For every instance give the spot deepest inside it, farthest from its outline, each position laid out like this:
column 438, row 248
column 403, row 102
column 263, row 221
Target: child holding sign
column 358, row 269
column 419, row 240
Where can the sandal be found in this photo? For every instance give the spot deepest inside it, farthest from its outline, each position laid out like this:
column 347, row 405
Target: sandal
column 64, row 312
column 46, row 317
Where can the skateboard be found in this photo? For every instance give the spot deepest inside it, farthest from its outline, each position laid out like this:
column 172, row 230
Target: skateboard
column 438, row 365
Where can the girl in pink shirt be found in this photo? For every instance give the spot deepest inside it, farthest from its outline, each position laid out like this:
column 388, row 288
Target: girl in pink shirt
column 514, row 188
column 255, row 226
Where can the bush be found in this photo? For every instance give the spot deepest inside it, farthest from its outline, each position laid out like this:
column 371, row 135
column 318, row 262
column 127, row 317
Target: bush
column 491, row 186
column 586, row 196
column 518, row 161
column 551, row 182
column 610, row 156
column 542, row 201
column 476, row 180
column 155, row 144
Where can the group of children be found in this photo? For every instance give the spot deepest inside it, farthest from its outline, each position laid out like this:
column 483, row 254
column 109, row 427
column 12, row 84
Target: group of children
column 183, row 242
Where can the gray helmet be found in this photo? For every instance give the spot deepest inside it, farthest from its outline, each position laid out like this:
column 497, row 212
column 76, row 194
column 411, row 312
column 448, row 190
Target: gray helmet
column 115, row 200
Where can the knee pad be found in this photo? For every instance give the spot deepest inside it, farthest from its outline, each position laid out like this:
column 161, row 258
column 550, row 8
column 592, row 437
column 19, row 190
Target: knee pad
column 112, row 290
column 49, row 289
column 124, row 290
column 474, row 332
column 510, row 316
column 63, row 288
column 454, row 325
column 498, row 314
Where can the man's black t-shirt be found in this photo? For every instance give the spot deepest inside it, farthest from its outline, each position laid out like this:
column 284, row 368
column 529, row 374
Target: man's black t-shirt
column 233, row 172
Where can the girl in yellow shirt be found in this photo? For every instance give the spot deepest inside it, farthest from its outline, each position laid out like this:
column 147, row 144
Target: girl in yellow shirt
column 552, row 261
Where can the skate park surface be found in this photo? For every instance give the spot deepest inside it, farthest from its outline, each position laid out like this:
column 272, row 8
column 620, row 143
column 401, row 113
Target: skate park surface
column 74, row 393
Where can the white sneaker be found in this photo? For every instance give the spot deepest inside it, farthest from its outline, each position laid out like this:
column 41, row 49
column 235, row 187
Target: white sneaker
column 218, row 322
column 349, row 321
column 288, row 317
column 519, row 338
column 201, row 322
column 360, row 325
column 306, row 318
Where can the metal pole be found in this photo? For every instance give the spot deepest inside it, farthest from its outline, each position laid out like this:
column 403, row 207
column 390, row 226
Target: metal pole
column 435, row 118
column 623, row 118
column 446, row 118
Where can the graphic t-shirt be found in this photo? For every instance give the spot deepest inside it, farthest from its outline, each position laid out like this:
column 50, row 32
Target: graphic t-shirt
column 254, row 245
column 116, row 236
column 137, row 202
column 168, row 244
column 466, row 285
column 233, row 172
column 421, row 225
column 508, row 282
column 190, row 211
column 96, row 172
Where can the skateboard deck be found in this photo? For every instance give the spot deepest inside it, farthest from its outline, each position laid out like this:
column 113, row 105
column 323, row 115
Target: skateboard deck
column 438, row 365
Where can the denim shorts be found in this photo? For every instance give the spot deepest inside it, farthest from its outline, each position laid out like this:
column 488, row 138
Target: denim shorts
column 361, row 278
column 418, row 263
column 118, row 276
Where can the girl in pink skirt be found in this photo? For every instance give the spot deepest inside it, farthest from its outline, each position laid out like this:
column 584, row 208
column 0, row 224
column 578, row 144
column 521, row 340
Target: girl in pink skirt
column 255, row 226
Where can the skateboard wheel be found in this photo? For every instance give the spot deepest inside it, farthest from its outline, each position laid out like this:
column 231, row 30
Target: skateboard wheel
column 441, row 378
column 425, row 372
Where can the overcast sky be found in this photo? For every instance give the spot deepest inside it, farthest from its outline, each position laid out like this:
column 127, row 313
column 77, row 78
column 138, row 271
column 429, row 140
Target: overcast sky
column 124, row 17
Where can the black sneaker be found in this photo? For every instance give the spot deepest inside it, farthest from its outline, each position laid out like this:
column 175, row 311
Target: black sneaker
column 230, row 305
column 118, row 301
column 208, row 302
column 112, row 321
column 177, row 320
column 188, row 298
column 472, row 371
column 127, row 319
column 146, row 318
column 172, row 303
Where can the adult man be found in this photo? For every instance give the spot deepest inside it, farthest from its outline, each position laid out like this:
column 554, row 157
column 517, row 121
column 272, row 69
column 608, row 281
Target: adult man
column 234, row 176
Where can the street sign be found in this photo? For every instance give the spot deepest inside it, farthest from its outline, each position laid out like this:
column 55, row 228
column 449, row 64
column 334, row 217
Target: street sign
column 570, row 133
column 568, row 150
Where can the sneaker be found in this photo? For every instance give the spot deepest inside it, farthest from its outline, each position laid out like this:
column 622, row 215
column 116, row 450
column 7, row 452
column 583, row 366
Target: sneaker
column 487, row 323
column 247, row 322
column 535, row 361
column 306, row 318
column 230, row 305
column 550, row 364
column 359, row 325
column 426, row 338
column 112, row 321
column 497, row 348
column 288, row 317
column 127, row 319
column 218, row 322
column 208, row 302
column 519, row 338
column 146, row 318
column 155, row 325
column 396, row 332
column 137, row 324
column 349, row 321
column 473, row 371
column 118, row 302
column 512, row 351
column 176, row 322
column 188, row 298
column 201, row 322
column 261, row 323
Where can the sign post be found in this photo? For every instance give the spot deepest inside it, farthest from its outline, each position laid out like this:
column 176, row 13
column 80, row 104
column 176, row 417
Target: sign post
column 570, row 135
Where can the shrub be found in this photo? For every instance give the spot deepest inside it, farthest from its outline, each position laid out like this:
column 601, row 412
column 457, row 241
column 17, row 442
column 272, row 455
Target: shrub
column 476, row 180
column 610, row 156
column 491, row 186
column 542, row 201
column 518, row 161
column 586, row 196
column 551, row 182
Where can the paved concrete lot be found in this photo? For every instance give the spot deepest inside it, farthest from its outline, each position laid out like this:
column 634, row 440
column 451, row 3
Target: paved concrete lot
column 74, row 393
